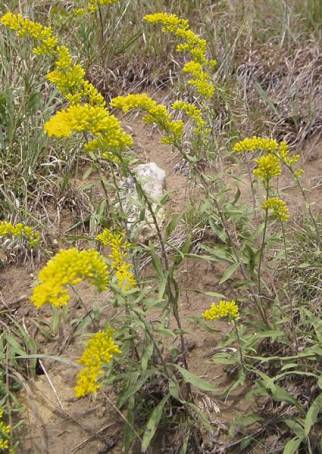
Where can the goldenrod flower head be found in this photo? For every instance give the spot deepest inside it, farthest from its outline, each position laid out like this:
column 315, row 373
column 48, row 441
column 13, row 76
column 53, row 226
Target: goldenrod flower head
column 4, row 432
column 194, row 113
column 200, row 79
column 94, row 4
column 119, row 248
column 298, row 173
column 278, row 207
column 279, row 149
column 170, row 22
column 193, row 45
column 20, row 231
column 67, row 77
column 69, row 267
column 94, row 120
column 99, row 351
column 268, row 166
column 27, row 28
column 252, row 144
column 87, row 111
column 222, row 309
column 283, row 154
column 156, row 113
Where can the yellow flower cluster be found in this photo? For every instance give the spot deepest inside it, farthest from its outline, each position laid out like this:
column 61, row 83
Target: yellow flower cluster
column 4, row 432
column 92, row 6
column 99, row 350
column 119, row 248
column 192, row 43
column 283, row 154
column 222, row 309
column 252, row 144
column 200, row 80
column 69, row 267
column 25, row 27
column 87, row 111
column 94, row 120
column 156, row 113
column 268, row 166
column 170, row 22
column 67, row 76
column 278, row 207
column 194, row 113
column 20, row 231
column 271, row 146
column 199, row 66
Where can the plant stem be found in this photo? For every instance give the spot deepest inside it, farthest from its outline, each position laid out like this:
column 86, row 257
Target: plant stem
column 242, row 360
column 262, row 248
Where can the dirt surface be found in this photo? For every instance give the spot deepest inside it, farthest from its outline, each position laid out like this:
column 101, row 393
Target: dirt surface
column 56, row 422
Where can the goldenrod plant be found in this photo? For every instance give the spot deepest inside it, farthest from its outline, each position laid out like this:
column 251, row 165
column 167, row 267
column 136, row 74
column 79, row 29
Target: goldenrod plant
column 86, row 114
column 268, row 282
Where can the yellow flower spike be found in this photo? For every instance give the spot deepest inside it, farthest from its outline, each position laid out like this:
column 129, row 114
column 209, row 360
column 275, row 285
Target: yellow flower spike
column 193, row 45
column 299, row 173
column 99, row 351
column 278, row 207
column 268, row 166
column 283, row 154
column 67, row 76
column 155, row 113
column 27, row 28
column 94, row 120
column 20, row 231
column 252, row 144
column 170, row 22
column 69, row 267
column 222, row 309
column 87, row 112
column 199, row 79
column 119, row 248
column 194, row 113
column 279, row 149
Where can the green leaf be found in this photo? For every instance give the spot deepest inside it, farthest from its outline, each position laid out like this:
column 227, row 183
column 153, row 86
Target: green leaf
column 153, row 423
column 196, row 381
column 184, row 447
column 146, row 356
column 128, row 434
column 219, row 253
column 241, row 422
column 236, row 196
column 312, row 414
column 320, row 382
column 165, row 331
column 292, row 446
column 296, row 425
column 224, row 358
column 278, row 393
column 215, row 295
column 229, row 272
column 239, row 382
column 318, row 329
column 174, row 390
column 172, row 225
